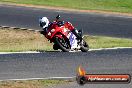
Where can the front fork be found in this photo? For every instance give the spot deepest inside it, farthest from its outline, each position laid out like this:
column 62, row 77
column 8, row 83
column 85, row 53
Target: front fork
column 80, row 32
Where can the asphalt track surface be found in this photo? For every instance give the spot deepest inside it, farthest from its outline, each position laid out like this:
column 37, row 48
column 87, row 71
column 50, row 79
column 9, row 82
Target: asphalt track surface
column 59, row 64
column 94, row 24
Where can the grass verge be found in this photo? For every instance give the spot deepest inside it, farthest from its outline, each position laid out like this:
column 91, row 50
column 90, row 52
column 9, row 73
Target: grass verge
column 105, row 5
column 107, row 42
column 32, row 84
column 22, row 40
column 12, row 40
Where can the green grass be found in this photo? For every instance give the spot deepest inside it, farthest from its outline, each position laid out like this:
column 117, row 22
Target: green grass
column 107, row 42
column 54, row 82
column 23, row 40
column 32, row 84
column 107, row 5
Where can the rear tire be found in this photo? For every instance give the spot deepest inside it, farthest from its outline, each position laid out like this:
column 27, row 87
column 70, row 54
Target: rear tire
column 61, row 46
column 84, row 47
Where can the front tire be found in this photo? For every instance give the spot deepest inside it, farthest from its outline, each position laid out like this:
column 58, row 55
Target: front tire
column 63, row 44
column 55, row 47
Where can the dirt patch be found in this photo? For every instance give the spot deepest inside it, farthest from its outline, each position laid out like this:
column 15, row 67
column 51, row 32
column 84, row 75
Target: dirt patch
column 22, row 40
column 33, row 84
column 20, row 84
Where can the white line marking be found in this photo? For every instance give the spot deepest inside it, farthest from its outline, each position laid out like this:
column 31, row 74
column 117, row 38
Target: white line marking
column 48, row 78
column 19, row 52
column 70, row 51
column 110, row 48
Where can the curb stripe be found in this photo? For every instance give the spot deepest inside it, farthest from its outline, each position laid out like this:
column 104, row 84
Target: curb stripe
column 19, row 28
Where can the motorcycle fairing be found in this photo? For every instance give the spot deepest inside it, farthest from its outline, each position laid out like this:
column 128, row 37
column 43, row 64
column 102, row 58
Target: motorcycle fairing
column 73, row 41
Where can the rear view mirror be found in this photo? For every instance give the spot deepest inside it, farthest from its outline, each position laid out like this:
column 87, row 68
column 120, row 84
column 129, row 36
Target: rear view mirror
column 58, row 17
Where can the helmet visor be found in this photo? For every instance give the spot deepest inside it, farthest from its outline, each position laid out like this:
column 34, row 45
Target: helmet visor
column 43, row 23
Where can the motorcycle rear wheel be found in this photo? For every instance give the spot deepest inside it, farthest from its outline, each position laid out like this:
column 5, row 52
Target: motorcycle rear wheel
column 63, row 45
column 84, row 47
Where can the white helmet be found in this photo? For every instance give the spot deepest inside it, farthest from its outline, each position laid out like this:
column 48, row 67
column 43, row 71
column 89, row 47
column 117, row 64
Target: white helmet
column 43, row 22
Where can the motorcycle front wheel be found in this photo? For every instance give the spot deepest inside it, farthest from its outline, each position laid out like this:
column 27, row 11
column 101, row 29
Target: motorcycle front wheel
column 63, row 44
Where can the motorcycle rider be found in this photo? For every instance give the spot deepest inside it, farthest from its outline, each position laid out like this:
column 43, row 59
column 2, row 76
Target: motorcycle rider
column 45, row 24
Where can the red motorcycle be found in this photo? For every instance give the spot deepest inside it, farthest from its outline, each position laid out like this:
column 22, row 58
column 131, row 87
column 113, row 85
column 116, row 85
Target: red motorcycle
column 64, row 39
